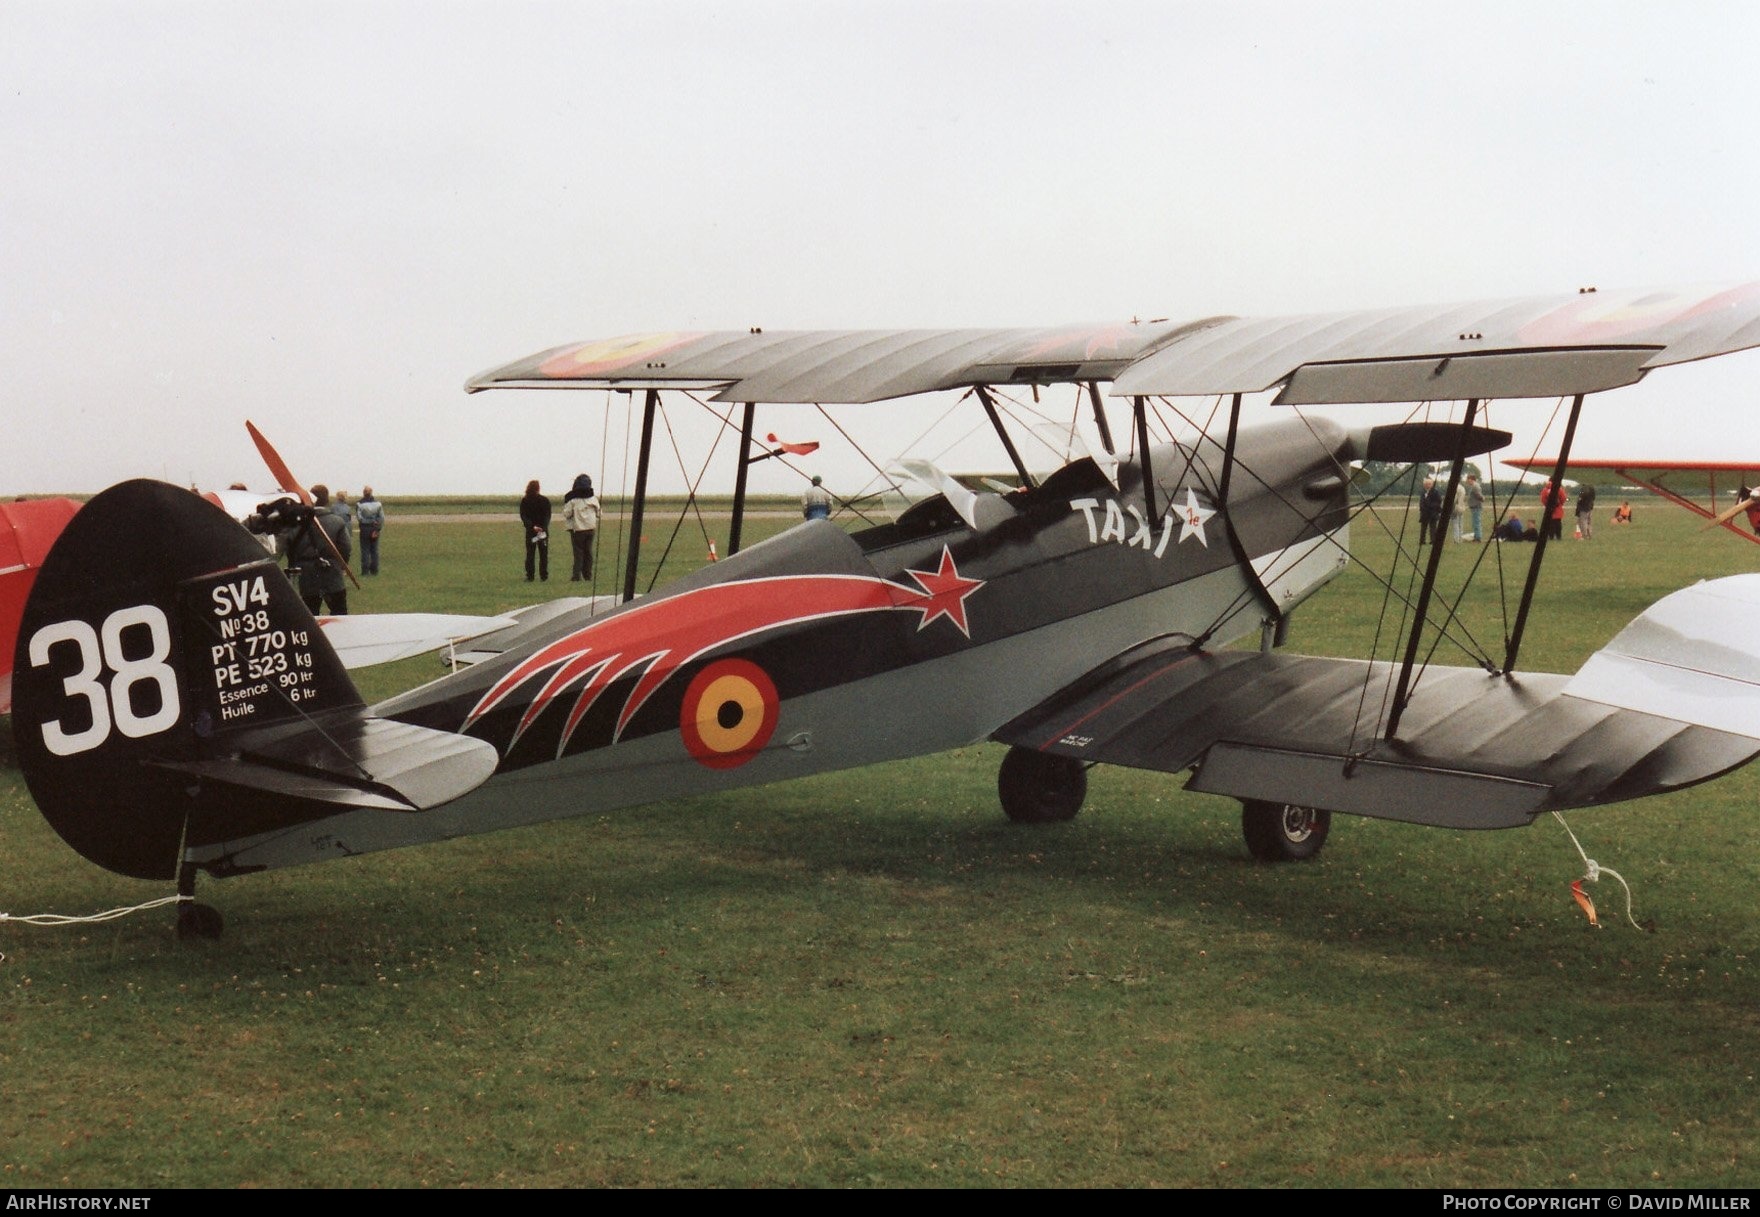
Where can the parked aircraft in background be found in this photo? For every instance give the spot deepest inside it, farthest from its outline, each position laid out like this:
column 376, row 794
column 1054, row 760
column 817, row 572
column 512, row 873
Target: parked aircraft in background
column 1694, row 485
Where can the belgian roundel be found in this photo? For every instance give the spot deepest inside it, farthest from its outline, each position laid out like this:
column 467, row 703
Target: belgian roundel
column 729, row 713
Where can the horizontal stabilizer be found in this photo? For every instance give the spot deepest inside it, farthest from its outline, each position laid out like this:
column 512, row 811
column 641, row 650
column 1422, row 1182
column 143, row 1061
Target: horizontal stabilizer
column 365, row 639
column 523, row 624
column 351, row 762
column 1692, row 656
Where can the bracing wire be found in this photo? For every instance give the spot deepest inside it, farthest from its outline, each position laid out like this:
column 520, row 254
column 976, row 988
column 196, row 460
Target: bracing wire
column 629, row 400
column 1499, row 513
column 604, row 449
column 691, row 505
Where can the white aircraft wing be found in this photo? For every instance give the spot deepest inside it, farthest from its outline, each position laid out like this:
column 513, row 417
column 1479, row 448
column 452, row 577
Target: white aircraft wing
column 366, row 639
column 1534, row 347
column 1545, row 346
column 1667, row 704
column 837, row 366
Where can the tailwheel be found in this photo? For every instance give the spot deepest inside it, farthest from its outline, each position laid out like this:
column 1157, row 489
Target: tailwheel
column 1283, row 832
column 195, row 920
column 199, row 921
column 1040, row 788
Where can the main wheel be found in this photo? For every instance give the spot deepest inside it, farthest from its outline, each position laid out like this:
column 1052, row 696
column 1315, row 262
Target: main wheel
column 1039, row 788
column 1283, row 832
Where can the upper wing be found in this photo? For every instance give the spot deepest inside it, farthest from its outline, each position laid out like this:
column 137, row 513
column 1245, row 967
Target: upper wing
column 835, row 365
column 1536, row 347
column 1679, row 475
column 1674, row 700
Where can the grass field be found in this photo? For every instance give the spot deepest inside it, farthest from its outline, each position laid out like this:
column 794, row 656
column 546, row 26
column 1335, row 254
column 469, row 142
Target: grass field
column 872, row 979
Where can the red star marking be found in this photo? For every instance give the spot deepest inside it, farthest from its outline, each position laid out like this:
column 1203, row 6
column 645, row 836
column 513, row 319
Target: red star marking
column 946, row 591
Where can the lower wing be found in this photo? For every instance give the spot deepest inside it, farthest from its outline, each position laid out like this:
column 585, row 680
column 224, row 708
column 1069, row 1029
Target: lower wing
column 1672, row 701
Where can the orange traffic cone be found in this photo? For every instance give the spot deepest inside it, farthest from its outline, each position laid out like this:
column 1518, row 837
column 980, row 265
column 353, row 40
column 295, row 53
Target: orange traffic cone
column 713, row 556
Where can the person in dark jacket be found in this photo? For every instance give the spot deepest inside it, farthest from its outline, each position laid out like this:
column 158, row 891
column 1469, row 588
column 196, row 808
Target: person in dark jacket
column 1430, row 513
column 370, row 513
column 534, row 517
column 316, row 550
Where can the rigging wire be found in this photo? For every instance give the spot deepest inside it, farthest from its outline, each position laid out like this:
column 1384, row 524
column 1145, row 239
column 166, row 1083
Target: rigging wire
column 629, row 400
column 604, row 449
column 883, row 476
column 860, row 451
column 691, row 506
column 1190, row 451
column 1406, row 598
column 1381, row 616
column 1503, row 597
column 783, row 461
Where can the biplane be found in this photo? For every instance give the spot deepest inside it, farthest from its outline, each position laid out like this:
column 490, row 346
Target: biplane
column 1693, row 485
column 180, row 713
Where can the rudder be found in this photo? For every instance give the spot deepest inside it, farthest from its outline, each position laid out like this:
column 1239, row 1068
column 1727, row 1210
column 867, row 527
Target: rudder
column 157, row 638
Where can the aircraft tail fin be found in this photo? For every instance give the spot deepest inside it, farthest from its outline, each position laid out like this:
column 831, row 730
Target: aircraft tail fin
column 171, row 689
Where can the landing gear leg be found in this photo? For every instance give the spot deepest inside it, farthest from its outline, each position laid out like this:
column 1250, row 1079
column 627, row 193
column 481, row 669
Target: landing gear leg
column 195, row 920
column 1283, row 832
column 1040, row 788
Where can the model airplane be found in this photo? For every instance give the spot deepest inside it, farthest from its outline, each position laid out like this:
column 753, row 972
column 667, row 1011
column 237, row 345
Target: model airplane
column 183, row 713
column 1687, row 477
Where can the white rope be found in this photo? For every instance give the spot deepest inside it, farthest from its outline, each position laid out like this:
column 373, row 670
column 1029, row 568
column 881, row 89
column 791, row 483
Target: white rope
column 56, row 919
column 1593, row 870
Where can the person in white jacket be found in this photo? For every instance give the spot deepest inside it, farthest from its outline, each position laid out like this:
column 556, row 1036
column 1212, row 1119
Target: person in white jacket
column 581, row 512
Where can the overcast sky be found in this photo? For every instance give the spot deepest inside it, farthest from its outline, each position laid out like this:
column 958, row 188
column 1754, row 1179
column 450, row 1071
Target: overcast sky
column 325, row 217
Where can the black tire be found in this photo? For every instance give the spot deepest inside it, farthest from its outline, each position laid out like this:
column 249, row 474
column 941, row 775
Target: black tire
column 1283, row 832
column 199, row 921
column 1039, row 788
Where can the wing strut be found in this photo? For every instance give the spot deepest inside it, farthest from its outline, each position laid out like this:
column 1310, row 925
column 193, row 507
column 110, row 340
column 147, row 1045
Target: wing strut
column 1564, row 453
column 1402, row 689
column 641, row 496
column 1234, row 540
column 739, row 479
column 1143, row 455
column 1014, row 455
column 1234, row 426
column 1100, row 417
